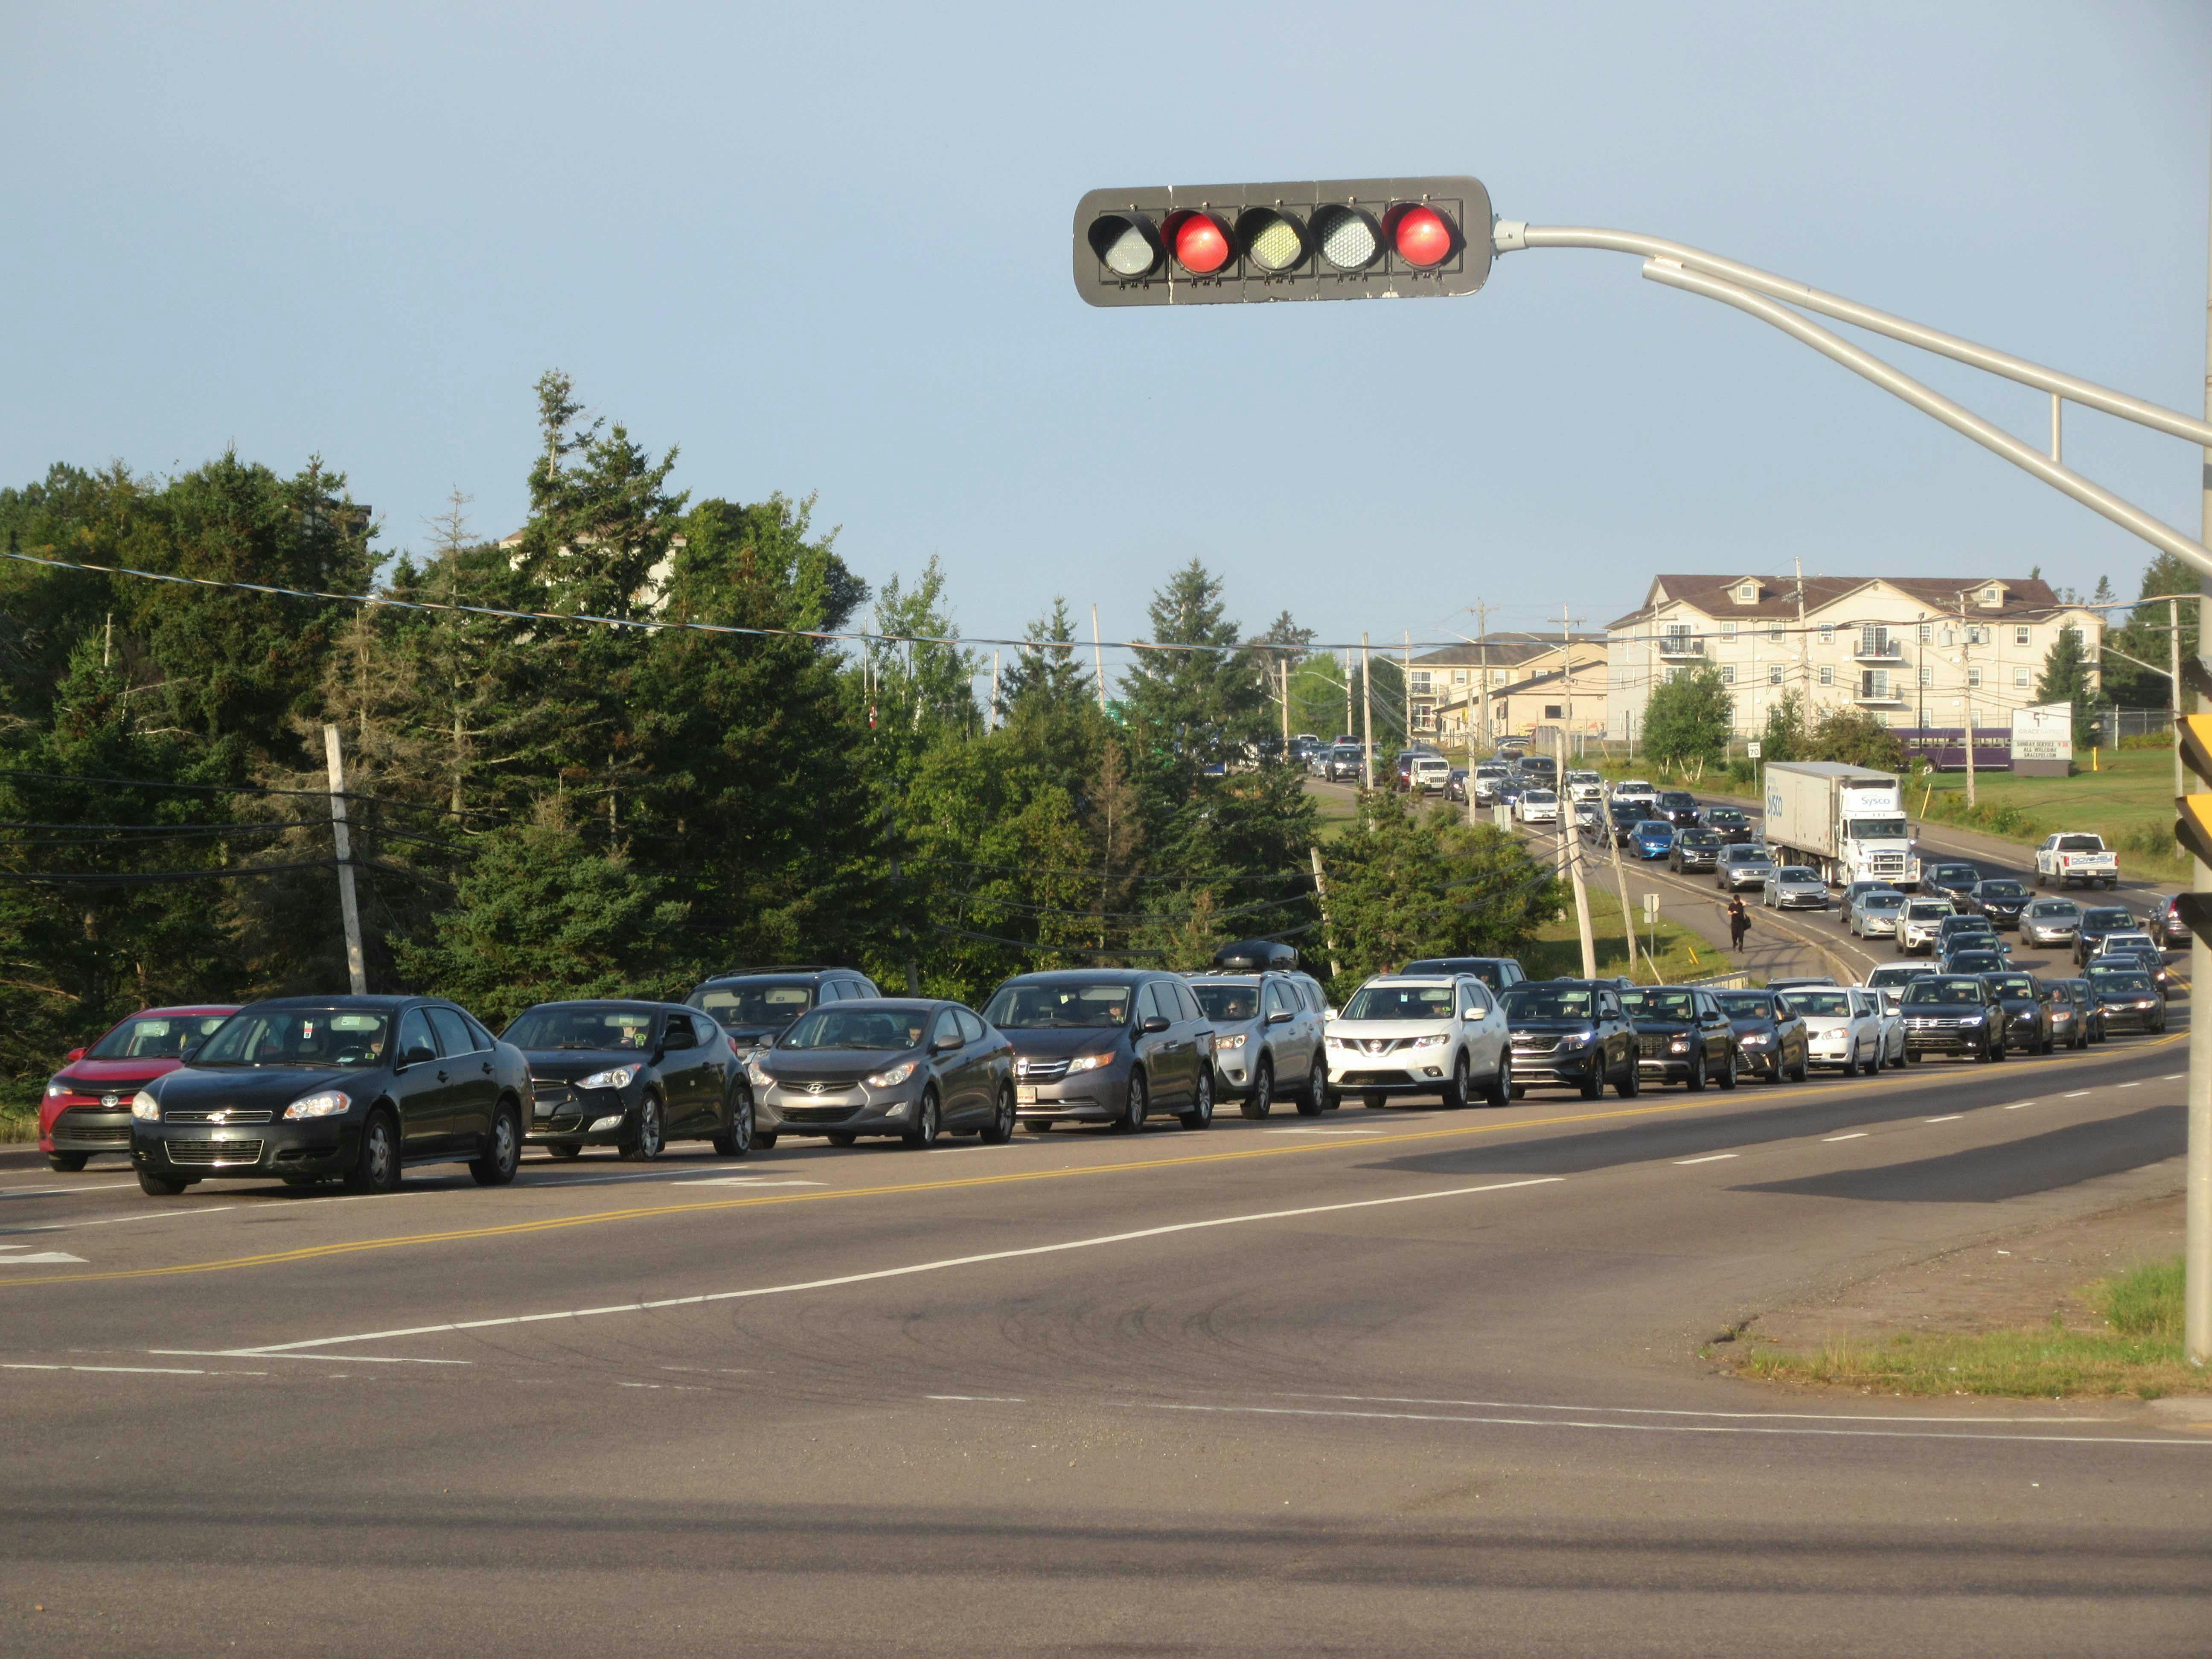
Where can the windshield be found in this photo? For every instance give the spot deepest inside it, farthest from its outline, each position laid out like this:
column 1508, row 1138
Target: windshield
column 1895, row 975
column 1944, row 990
column 858, row 1025
column 1822, row 1003
column 1882, row 902
column 1976, row 961
column 1656, row 828
column 1965, row 873
column 1481, row 967
column 2127, row 942
column 2003, row 890
column 164, row 1038
column 2053, row 907
column 1749, row 855
column 1400, row 1002
column 1745, row 1005
column 2105, row 919
column 1539, row 797
column 299, row 1037
column 1068, row 1006
column 1875, row 829
column 2127, row 980
column 1226, row 1002
column 1659, row 1004
column 1547, row 1002
column 1700, row 838
column 581, row 1027
column 2012, row 985
column 1678, row 800
column 2081, row 844
column 756, row 1002
column 1927, row 910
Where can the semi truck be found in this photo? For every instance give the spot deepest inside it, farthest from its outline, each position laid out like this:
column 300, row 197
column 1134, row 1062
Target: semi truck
column 1847, row 821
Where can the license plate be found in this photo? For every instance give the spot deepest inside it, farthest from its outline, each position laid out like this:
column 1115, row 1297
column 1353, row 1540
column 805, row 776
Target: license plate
column 1026, row 1094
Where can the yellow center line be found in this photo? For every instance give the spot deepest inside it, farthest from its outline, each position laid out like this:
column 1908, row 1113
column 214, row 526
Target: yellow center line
column 642, row 1212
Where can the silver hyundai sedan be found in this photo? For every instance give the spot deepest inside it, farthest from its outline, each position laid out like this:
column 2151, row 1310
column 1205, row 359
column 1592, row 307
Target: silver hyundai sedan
column 1795, row 887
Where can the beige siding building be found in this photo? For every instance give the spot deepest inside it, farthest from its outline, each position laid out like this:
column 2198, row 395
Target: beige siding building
column 1913, row 650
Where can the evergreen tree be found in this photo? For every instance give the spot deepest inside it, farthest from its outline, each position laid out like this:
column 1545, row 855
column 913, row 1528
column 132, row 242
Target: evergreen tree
column 2065, row 679
column 2144, row 635
column 1189, row 709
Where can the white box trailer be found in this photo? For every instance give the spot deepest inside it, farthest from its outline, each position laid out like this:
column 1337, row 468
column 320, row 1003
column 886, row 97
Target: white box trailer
column 1847, row 821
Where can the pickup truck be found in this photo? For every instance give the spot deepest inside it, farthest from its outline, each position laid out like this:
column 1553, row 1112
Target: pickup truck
column 2069, row 858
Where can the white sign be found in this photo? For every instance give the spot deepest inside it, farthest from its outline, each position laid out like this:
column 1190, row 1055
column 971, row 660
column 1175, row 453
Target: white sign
column 1651, row 907
column 2044, row 732
column 1752, row 746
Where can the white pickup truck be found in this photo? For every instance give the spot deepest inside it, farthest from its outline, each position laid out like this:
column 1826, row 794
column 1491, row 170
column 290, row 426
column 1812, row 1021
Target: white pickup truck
column 2069, row 858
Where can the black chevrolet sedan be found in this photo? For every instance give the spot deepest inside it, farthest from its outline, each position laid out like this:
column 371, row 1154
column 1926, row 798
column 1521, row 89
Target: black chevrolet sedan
column 633, row 1076
column 351, row 1089
column 886, row 1066
column 1768, row 1034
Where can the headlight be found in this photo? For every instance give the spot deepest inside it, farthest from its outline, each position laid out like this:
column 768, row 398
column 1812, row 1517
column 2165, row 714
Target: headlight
column 55, row 1091
column 892, row 1078
column 329, row 1103
column 1755, row 1039
column 1680, row 1045
column 1089, row 1062
column 1970, row 1019
column 145, row 1107
column 758, row 1075
column 1577, row 1040
column 615, row 1077
column 1235, row 1041
column 1431, row 1042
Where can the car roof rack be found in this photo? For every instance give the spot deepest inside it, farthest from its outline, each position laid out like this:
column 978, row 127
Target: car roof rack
column 783, row 968
column 1256, row 955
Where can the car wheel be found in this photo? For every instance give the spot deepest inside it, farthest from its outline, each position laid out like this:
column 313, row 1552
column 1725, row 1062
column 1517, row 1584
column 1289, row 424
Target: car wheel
column 921, row 1134
column 737, row 1137
column 841, row 1138
column 564, row 1149
column 643, row 1143
column 1593, row 1083
column 1455, row 1091
column 1261, row 1100
column 1317, row 1099
column 376, row 1163
column 502, row 1152
column 1727, row 1077
column 1373, row 1103
column 1804, row 1065
column 66, row 1163
column 1133, row 1107
column 155, row 1186
column 1501, row 1087
column 1000, row 1129
column 1630, row 1082
column 1913, row 1056
column 1697, row 1073
column 1201, row 1109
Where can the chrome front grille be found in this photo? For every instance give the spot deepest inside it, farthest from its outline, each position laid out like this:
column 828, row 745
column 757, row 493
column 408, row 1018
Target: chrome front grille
column 219, row 1114
column 1041, row 1070
column 1931, row 1023
column 214, row 1152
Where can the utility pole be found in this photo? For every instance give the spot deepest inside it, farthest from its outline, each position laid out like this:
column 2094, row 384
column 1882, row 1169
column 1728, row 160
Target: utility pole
column 993, row 725
column 1098, row 657
column 342, row 839
column 1366, row 718
column 1804, row 668
column 2172, row 684
column 1567, row 685
column 1408, row 698
column 2196, row 1250
column 1283, row 663
column 1620, row 884
column 1327, row 929
column 1482, row 672
column 1573, row 851
column 1967, row 695
column 1347, row 694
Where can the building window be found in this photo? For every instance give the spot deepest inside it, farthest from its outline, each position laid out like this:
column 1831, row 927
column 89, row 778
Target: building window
column 1927, row 675
column 2020, row 677
column 1774, row 674
column 2019, row 636
column 1728, row 630
column 1421, row 683
column 1874, row 686
column 1552, row 711
column 1459, row 677
column 1993, row 595
column 1927, row 632
column 1747, row 593
column 1973, row 679
column 1828, row 633
column 1873, row 641
column 1728, row 673
column 1828, row 674
column 1774, row 630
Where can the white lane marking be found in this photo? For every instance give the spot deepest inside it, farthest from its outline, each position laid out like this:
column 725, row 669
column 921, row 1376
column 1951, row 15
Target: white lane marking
column 2173, row 1077
column 117, row 1220
column 39, row 1258
column 1855, row 1134
column 64, row 1192
column 274, row 1348
column 1665, row 1428
column 985, row 1146
column 1665, row 1411
column 2074, row 1094
column 1710, row 1157
column 754, row 1181
column 2017, row 1104
column 351, row 1359
column 608, row 1180
column 134, row 1370
column 980, row 1399
column 1947, row 1117
column 2137, row 1084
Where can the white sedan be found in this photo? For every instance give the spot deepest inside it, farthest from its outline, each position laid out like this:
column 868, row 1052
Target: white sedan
column 1843, row 1028
column 1537, row 807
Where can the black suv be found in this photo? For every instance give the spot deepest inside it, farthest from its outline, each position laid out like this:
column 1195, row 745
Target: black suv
column 753, row 1005
column 1681, row 1035
column 2000, row 898
column 1952, row 1014
column 1695, row 850
column 1105, row 1046
column 1677, row 806
column 2096, row 922
column 634, row 1076
column 1770, row 1034
column 2028, row 1024
column 351, row 1089
column 1573, row 1031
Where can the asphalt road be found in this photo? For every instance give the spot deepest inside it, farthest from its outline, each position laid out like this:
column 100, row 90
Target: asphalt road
column 1403, row 1382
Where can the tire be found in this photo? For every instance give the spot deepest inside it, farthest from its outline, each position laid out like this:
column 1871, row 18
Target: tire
column 1000, row 1129
column 1201, row 1114
column 1500, row 1089
column 1455, row 1091
column 565, row 1150
column 1632, row 1079
column 921, row 1135
column 644, row 1141
column 1913, row 1056
column 1261, row 1100
column 1805, row 1068
column 155, row 1186
column 502, row 1152
column 66, row 1163
column 2050, row 1043
column 1593, row 1084
column 1697, row 1083
column 735, row 1138
column 1727, row 1078
column 376, row 1163
column 841, row 1138
column 1317, row 1099
column 1133, row 1107
column 1520, row 1091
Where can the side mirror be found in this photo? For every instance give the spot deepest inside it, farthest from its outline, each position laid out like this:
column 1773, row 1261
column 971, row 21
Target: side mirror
column 419, row 1054
column 947, row 1045
column 186, row 1053
column 73, row 1056
column 1155, row 1024
column 1280, row 1016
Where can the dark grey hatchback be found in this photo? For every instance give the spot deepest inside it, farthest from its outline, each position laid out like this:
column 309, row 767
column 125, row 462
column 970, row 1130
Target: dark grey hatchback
column 886, row 1066
column 633, row 1076
column 309, row 1089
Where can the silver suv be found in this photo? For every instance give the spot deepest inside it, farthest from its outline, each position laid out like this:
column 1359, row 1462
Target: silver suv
column 1266, row 1039
column 1741, row 867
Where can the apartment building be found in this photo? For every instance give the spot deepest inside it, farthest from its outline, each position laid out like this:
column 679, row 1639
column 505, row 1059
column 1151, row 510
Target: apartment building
column 1915, row 651
column 1524, row 674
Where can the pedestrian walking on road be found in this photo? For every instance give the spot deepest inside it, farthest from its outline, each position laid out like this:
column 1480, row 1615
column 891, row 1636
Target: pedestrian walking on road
column 1738, row 922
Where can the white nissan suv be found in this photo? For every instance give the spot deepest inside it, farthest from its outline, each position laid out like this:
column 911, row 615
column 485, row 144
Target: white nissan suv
column 1410, row 1034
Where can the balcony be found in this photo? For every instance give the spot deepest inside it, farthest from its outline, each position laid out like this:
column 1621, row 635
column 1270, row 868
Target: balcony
column 1680, row 646
column 1880, row 696
column 1878, row 650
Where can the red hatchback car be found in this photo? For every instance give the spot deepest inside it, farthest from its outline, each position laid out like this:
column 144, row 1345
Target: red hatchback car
column 88, row 1104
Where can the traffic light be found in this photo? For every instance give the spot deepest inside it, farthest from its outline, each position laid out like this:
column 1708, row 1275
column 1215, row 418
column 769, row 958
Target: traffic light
column 1326, row 239
column 2193, row 829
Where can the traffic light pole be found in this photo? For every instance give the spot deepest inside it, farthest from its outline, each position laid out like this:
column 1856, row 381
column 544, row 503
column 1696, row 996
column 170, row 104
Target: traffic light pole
column 2196, row 1245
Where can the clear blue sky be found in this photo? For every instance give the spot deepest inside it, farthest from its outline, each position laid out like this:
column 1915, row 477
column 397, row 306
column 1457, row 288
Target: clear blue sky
column 824, row 249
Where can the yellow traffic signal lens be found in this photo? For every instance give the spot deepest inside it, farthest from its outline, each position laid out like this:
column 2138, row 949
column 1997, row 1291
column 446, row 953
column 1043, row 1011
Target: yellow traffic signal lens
column 1347, row 238
column 1272, row 242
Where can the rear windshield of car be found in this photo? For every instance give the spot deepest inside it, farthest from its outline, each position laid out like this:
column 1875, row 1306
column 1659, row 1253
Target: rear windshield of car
column 1745, row 1005
column 1659, row 1004
column 1945, row 990
column 581, row 1027
column 1546, row 1002
column 1823, row 1003
column 1058, row 1006
column 1486, row 972
column 1895, row 975
column 858, row 1025
column 2081, row 844
column 756, row 1001
column 1795, row 872
column 1654, row 827
column 1927, row 910
column 2127, row 942
column 1400, row 1002
column 340, row 1037
column 164, row 1038
column 1226, row 1002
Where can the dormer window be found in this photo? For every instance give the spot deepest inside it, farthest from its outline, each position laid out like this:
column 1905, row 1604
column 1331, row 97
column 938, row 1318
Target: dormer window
column 1747, row 592
column 1992, row 597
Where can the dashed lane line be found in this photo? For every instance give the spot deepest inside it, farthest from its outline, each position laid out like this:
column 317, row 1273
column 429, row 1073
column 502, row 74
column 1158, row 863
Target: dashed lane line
column 1855, row 1134
column 1710, row 1157
column 1947, row 1117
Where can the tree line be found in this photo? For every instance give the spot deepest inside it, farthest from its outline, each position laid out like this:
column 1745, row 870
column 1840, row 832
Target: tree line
column 543, row 806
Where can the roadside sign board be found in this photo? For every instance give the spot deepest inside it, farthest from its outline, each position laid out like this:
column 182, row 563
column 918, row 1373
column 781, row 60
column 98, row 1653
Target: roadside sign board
column 1651, row 907
column 2043, row 738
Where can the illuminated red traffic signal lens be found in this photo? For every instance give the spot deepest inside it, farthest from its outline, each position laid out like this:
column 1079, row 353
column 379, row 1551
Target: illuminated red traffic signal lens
column 1422, row 237
column 1201, row 246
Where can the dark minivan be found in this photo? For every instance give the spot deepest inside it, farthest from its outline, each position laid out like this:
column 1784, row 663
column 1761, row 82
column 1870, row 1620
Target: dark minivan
column 1105, row 1046
column 351, row 1089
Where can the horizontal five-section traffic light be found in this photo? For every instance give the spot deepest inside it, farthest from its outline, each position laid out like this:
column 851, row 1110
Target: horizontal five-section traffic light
column 1325, row 239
